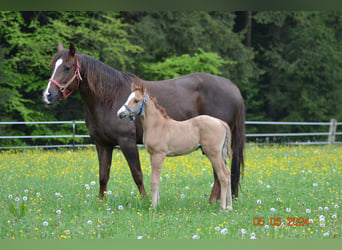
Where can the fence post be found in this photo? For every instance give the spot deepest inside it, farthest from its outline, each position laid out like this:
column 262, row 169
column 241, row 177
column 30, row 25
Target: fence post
column 73, row 132
column 332, row 131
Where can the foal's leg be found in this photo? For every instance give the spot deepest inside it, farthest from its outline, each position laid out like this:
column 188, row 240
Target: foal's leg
column 156, row 162
column 229, row 188
column 130, row 151
column 104, row 154
column 222, row 175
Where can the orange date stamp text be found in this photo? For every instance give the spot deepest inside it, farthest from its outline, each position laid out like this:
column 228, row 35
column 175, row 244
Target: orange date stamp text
column 276, row 221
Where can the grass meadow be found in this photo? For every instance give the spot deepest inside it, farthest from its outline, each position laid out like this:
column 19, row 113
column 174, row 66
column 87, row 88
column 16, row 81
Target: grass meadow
column 53, row 194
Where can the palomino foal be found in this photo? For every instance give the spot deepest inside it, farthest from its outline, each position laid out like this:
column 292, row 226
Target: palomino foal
column 164, row 136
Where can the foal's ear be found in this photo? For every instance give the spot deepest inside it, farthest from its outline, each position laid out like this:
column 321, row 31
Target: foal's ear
column 133, row 87
column 143, row 87
column 60, row 47
column 72, row 49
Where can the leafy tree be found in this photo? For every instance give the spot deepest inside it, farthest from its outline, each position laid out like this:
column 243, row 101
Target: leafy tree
column 176, row 66
column 302, row 60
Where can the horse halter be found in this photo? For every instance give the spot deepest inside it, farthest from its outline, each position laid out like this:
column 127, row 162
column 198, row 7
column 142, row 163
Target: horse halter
column 77, row 75
column 139, row 111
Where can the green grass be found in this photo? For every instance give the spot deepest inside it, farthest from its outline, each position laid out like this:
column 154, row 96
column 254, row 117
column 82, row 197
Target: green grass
column 57, row 193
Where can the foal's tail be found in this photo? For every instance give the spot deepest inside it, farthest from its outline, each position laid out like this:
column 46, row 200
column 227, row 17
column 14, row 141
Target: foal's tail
column 226, row 147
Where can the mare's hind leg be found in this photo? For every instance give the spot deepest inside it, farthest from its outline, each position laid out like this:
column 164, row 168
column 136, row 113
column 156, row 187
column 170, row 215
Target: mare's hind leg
column 157, row 163
column 215, row 192
column 104, row 154
column 130, row 151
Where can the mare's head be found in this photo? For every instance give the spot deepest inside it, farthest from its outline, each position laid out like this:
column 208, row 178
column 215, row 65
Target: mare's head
column 65, row 75
column 135, row 104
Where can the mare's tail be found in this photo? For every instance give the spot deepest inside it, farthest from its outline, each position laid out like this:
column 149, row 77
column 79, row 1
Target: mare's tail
column 238, row 145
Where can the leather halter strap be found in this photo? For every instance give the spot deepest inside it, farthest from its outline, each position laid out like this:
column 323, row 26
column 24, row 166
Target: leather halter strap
column 62, row 88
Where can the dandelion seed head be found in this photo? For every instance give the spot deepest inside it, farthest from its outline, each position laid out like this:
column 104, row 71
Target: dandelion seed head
column 308, row 211
column 288, row 210
column 45, row 223
column 243, row 231
column 195, row 237
column 273, row 209
column 92, row 183
column 58, row 211
column 120, row 207
column 258, row 201
column 224, row 231
column 89, row 222
column 25, row 198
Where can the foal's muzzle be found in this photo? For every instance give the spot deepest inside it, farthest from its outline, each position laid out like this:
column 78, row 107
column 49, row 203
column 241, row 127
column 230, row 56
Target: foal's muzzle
column 122, row 114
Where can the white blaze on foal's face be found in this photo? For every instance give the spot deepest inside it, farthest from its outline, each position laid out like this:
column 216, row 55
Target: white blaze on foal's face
column 47, row 90
column 123, row 108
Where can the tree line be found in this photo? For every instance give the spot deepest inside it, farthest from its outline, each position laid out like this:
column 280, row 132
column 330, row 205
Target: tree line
column 286, row 63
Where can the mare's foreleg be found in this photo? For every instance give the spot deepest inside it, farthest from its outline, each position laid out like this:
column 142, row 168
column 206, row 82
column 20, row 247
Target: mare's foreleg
column 104, row 154
column 157, row 163
column 130, row 151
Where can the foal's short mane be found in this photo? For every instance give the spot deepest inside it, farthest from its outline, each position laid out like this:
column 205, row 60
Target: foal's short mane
column 160, row 108
column 103, row 81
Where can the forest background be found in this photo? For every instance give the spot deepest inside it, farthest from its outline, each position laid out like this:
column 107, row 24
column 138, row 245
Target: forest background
column 287, row 64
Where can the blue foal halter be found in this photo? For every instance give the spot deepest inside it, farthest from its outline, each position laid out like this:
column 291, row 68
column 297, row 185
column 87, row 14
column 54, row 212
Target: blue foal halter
column 139, row 111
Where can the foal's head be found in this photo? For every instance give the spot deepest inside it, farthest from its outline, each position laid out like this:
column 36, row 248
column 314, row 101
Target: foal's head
column 135, row 104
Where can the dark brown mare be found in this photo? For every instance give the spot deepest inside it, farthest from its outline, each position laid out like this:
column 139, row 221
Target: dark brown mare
column 104, row 90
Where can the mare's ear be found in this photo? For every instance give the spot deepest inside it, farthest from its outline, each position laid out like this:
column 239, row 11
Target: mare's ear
column 72, row 49
column 133, row 87
column 143, row 87
column 60, row 47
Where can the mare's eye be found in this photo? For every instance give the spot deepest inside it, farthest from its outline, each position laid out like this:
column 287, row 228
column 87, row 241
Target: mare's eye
column 136, row 101
column 67, row 69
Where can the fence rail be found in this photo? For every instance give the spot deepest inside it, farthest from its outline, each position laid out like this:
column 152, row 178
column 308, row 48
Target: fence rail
column 330, row 135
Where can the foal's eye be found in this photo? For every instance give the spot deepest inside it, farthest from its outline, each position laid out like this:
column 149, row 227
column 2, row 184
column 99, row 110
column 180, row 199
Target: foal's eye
column 67, row 69
column 136, row 101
